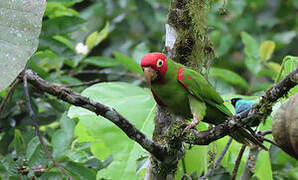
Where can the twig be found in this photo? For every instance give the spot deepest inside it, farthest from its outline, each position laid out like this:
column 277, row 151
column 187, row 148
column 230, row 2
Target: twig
column 109, row 113
column 270, row 141
column 250, row 164
column 83, row 84
column 237, row 163
column 261, row 135
column 33, row 118
column 114, row 73
column 222, row 154
column 186, row 177
column 264, row 133
column 257, row 112
column 8, row 95
column 183, row 166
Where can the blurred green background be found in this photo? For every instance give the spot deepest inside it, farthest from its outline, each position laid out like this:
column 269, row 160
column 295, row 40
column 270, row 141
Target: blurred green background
column 255, row 43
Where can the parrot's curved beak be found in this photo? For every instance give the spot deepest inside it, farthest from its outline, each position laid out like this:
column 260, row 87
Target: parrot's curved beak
column 150, row 74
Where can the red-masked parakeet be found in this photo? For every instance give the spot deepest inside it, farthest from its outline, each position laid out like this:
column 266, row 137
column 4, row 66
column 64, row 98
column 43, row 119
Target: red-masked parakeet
column 187, row 93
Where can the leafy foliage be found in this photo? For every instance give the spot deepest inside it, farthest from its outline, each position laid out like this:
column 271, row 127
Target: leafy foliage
column 255, row 42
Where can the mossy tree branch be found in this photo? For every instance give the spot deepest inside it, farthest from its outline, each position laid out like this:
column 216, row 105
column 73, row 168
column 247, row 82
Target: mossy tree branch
column 109, row 113
column 260, row 111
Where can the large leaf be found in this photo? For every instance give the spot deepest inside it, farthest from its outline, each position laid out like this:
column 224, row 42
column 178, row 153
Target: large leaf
column 35, row 154
column 78, row 171
column 96, row 37
column 196, row 161
column 251, row 45
column 252, row 53
column 229, row 76
column 263, row 166
column 19, row 143
column 134, row 103
column 20, row 27
column 101, row 61
column 61, row 25
column 289, row 64
column 128, row 62
column 62, row 138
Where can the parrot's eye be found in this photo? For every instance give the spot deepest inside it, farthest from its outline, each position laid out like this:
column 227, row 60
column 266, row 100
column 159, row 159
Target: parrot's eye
column 159, row 63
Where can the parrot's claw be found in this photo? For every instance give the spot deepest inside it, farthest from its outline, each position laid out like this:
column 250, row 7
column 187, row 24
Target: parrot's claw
column 191, row 125
column 188, row 126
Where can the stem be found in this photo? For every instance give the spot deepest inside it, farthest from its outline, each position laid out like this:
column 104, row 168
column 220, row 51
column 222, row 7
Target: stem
column 222, row 154
column 33, row 118
column 237, row 163
column 10, row 92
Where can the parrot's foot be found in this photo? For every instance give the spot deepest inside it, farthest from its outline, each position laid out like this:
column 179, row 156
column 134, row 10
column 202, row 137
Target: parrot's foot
column 191, row 125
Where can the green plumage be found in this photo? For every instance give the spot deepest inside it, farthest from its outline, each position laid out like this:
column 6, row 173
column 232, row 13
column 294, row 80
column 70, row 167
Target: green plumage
column 186, row 93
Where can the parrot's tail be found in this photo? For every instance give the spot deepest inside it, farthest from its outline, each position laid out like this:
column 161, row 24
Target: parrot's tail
column 243, row 136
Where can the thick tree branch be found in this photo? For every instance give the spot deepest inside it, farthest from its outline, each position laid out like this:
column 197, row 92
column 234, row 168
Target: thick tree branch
column 109, row 113
column 259, row 112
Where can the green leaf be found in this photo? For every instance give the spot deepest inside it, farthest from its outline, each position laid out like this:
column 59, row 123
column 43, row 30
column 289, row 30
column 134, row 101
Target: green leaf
column 139, row 51
column 65, row 2
column 57, row 45
column 62, row 138
column 229, row 76
column 289, row 63
column 134, row 103
column 51, row 176
column 263, row 166
column 98, row 147
column 57, row 9
column 252, row 52
column 19, row 31
column 96, row 37
column 196, row 161
column 78, row 156
column 128, row 62
column 228, row 161
column 19, row 143
column 47, row 60
column 78, row 171
column 8, row 167
column 266, row 50
column 35, row 154
column 146, row 13
column 251, row 45
column 61, row 25
column 273, row 66
column 253, row 64
column 102, row 61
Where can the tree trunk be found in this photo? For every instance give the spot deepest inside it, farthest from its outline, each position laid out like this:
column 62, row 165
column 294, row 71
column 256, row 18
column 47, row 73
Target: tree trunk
column 187, row 43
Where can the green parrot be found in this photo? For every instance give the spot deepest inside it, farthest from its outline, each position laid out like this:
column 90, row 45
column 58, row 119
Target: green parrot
column 187, row 93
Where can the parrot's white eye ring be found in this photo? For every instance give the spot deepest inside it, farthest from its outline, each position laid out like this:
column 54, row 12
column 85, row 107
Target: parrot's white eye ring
column 159, row 63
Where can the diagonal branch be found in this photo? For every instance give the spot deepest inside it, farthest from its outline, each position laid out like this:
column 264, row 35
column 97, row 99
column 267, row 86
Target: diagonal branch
column 259, row 112
column 109, row 113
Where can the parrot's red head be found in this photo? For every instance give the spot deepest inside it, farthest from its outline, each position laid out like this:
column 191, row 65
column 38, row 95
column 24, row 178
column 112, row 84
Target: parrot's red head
column 154, row 66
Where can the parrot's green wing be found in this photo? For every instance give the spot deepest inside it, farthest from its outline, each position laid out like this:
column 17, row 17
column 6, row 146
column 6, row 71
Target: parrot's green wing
column 200, row 88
